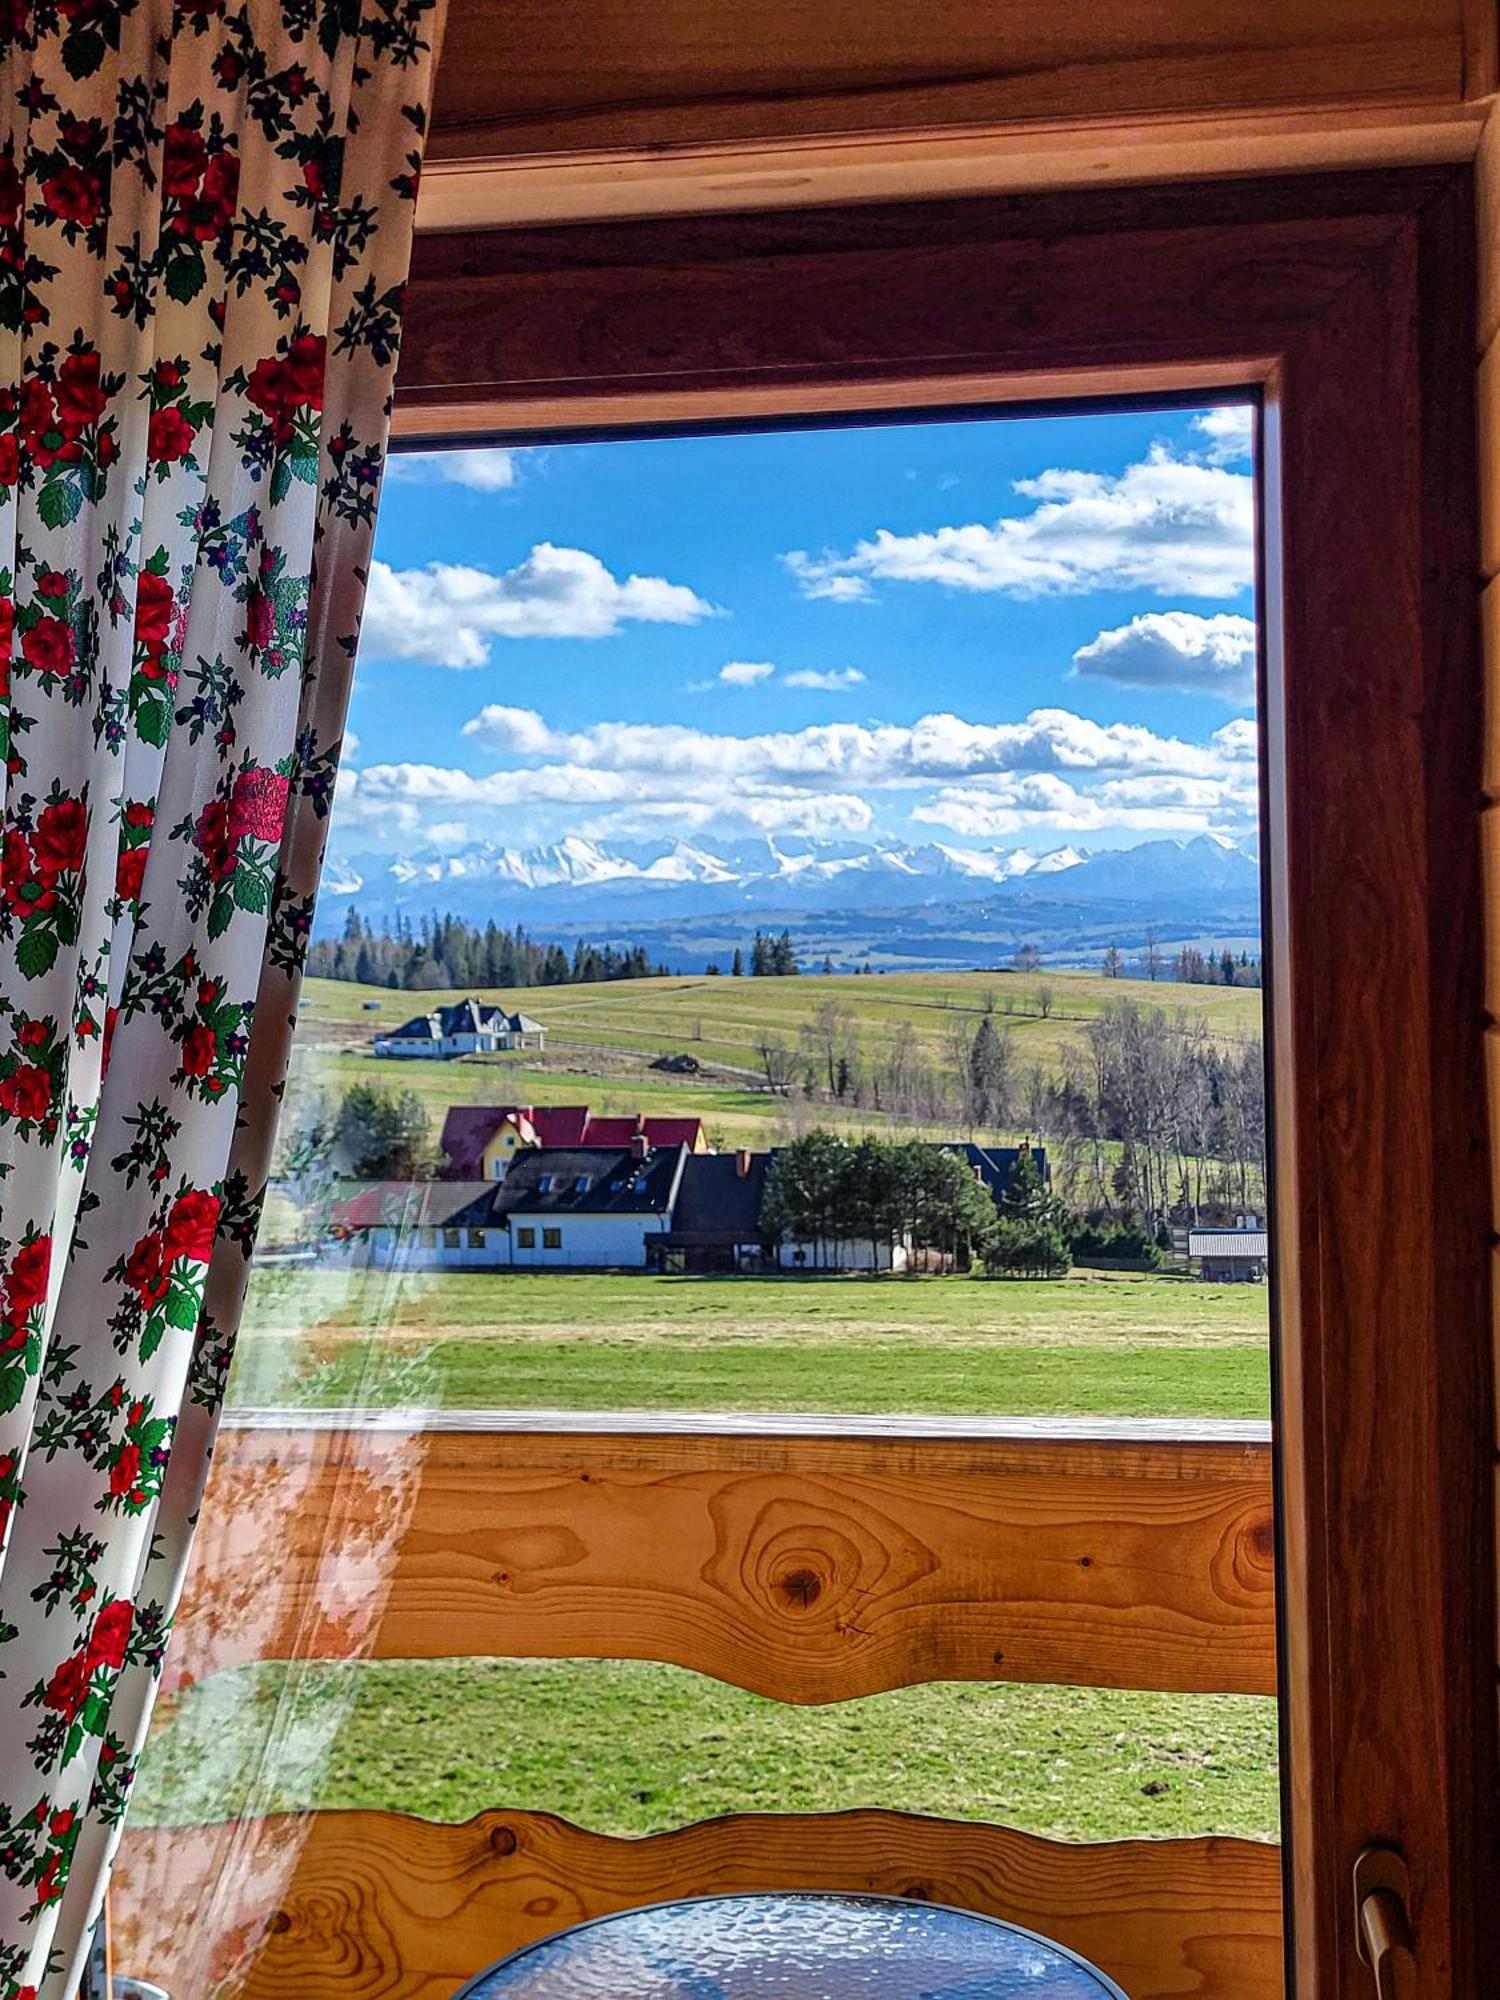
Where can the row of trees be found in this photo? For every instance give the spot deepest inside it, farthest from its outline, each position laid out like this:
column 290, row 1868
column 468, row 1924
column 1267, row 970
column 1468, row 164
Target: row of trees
column 441, row 953
column 824, row 1190
column 1192, row 967
column 770, row 958
column 1149, row 1116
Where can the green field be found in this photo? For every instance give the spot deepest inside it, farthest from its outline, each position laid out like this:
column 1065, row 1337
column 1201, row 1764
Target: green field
column 1088, row 1345
column 630, row 1749
column 602, row 1039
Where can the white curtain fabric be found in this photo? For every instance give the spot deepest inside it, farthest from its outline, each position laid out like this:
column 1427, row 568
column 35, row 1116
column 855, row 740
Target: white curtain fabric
column 205, row 224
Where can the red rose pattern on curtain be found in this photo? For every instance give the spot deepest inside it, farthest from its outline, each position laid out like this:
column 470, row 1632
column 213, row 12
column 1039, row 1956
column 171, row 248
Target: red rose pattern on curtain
column 205, row 224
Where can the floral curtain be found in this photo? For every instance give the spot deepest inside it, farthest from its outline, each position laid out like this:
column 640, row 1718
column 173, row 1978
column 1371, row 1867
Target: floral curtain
column 205, row 223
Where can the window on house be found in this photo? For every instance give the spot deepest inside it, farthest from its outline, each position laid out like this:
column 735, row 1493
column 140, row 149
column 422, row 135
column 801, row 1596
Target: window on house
column 450, row 1239
column 581, row 1185
column 429, row 1239
column 552, row 1239
column 526, row 1239
column 476, row 1239
column 544, row 1183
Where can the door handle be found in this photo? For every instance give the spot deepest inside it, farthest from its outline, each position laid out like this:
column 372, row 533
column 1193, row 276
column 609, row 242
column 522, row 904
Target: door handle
column 1382, row 1921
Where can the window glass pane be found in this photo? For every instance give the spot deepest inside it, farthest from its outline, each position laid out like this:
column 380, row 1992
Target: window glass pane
column 797, row 897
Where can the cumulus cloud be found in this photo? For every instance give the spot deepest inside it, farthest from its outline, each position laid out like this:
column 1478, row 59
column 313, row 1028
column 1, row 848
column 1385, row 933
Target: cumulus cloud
column 833, row 680
column 1177, row 649
column 1230, row 432
column 1163, row 805
column 1171, row 525
column 830, row 755
column 486, row 471
column 447, row 613
column 745, row 673
column 1237, row 742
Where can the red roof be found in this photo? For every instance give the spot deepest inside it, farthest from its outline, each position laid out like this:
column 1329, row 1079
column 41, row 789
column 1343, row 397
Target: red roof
column 659, row 1131
column 559, row 1124
column 469, row 1128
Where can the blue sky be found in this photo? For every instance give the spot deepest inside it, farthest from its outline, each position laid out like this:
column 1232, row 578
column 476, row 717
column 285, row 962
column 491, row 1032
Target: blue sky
column 1023, row 633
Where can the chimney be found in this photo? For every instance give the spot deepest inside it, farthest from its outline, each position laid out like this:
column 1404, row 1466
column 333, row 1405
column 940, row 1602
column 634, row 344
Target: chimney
column 742, row 1162
column 640, row 1146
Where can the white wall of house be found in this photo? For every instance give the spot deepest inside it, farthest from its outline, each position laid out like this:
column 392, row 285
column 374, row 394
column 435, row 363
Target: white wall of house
column 586, row 1242
column 846, row 1254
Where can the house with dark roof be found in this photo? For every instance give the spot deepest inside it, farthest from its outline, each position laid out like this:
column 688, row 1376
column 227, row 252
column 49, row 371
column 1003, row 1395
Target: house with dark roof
column 716, row 1225
column 994, row 1165
column 580, row 1207
column 560, row 1208
column 467, row 1028
column 482, row 1141
column 413, row 1224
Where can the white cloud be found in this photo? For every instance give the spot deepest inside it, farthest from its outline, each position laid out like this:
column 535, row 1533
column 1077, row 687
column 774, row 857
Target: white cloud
column 1230, row 432
column 1237, row 742
column 1177, row 649
column 447, row 613
column 829, row 755
column 1164, row 805
column 833, row 680
column 745, row 673
column 1175, row 526
column 1052, row 769
column 484, row 471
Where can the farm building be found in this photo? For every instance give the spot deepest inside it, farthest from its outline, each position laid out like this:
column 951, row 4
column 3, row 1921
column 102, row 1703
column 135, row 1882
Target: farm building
column 413, row 1224
column 467, row 1028
column 716, row 1223
column 480, row 1141
column 559, row 1208
column 1230, row 1256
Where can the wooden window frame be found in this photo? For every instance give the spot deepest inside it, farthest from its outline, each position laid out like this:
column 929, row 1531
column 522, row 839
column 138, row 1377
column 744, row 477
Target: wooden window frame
column 1344, row 305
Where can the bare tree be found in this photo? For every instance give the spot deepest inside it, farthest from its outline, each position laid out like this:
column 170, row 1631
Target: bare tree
column 779, row 1061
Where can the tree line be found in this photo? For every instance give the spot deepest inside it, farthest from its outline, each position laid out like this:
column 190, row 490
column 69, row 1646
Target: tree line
column 443, row 953
column 823, row 1190
column 1150, row 1119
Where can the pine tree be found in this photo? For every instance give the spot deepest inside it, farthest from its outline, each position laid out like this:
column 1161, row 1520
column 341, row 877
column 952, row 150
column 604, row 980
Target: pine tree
column 737, row 964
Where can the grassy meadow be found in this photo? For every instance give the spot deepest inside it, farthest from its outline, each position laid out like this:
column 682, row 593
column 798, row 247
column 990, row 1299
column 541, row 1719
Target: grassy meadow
column 602, row 1039
column 1092, row 1344
column 628, row 1747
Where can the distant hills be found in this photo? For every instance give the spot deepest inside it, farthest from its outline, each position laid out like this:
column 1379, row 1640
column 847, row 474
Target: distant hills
column 923, row 905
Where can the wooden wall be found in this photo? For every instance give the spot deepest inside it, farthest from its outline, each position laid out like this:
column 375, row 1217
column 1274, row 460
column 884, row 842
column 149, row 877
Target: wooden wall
column 609, row 107
column 812, row 1565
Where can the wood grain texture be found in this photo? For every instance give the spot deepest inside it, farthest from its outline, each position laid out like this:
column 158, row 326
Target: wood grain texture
column 355, row 1905
column 596, row 325
column 1374, row 863
column 487, row 191
column 810, row 1570
column 517, row 77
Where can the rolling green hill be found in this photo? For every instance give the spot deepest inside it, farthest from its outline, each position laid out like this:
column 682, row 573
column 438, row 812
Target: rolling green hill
column 602, row 1039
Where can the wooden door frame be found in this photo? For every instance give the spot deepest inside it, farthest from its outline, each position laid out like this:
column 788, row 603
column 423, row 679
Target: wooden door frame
column 1344, row 304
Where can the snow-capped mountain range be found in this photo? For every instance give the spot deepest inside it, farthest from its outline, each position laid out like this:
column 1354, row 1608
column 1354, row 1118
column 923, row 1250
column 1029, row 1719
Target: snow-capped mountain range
column 682, row 889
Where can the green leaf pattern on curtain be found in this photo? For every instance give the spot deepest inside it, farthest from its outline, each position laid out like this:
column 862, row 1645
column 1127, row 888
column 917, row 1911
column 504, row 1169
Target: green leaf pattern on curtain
column 205, row 224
